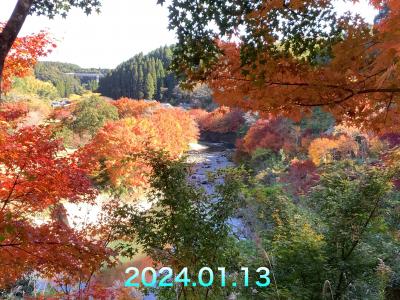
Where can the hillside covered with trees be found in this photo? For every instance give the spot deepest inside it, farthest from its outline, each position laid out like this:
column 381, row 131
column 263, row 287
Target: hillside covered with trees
column 142, row 76
column 60, row 75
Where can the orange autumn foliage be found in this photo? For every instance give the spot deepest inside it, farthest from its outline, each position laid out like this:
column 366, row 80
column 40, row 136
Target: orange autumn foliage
column 118, row 150
column 320, row 150
column 13, row 111
column 34, row 179
column 128, row 108
column 358, row 83
column 272, row 133
column 175, row 130
column 199, row 115
column 24, row 55
column 221, row 120
column 110, row 151
column 325, row 149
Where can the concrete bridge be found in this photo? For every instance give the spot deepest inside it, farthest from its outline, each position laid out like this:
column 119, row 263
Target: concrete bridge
column 87, row 76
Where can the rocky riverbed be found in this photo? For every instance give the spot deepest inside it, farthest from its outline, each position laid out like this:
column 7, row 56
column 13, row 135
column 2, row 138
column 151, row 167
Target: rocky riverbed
column 209, row 158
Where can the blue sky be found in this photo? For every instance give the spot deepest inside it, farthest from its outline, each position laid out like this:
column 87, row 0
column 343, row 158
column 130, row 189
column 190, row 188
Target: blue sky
column 123, row 29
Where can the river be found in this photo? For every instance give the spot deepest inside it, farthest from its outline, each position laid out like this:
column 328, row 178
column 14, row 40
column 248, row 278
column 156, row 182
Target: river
column 205, row 157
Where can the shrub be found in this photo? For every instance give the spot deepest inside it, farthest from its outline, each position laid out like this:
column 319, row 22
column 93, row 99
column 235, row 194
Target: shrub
column 273, row 133
column 221, row 120
column 128, row 108
column 91, row 114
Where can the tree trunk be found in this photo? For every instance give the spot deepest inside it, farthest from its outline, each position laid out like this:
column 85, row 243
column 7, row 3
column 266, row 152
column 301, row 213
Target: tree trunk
column 1, row 78
column 11, row 30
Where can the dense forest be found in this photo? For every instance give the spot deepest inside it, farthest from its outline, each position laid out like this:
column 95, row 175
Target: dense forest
column 142, row 76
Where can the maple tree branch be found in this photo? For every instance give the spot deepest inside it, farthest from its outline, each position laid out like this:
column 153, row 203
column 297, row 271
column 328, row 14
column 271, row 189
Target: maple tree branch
column 379, row 90
column 373, row 75
column 345, row 256
column 363, row 228
column 299, row 84
column 361, row 92
column 330, row 86
column 87, row 284
column 35, row 242
column 10, row 245
column 7, row 200
column 339, row 101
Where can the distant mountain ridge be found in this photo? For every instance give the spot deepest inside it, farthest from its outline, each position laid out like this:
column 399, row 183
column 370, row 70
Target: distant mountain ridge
column 70, row 68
